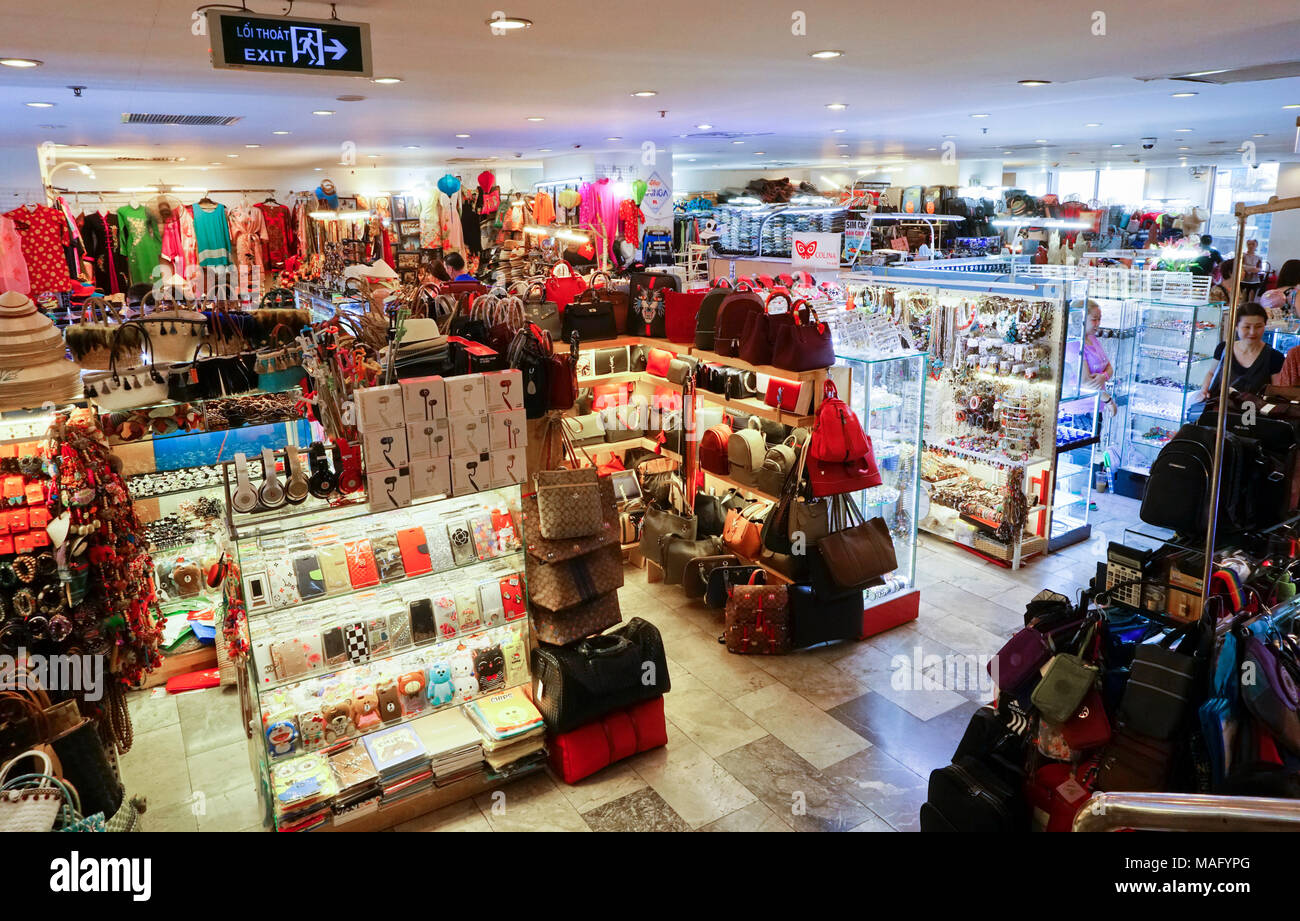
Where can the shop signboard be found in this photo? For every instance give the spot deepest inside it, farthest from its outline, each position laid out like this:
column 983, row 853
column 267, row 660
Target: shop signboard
column 328, row 46
column 657, row 205
column 816, row 251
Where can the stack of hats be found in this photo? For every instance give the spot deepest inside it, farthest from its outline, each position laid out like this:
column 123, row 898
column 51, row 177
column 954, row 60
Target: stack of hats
column 513, row 732
column 34, row 366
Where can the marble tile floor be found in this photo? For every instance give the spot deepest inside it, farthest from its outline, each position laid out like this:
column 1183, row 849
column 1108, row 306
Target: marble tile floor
column 840, row 737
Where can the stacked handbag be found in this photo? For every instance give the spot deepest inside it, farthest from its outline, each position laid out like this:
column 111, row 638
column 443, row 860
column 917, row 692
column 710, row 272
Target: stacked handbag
column 795, row 340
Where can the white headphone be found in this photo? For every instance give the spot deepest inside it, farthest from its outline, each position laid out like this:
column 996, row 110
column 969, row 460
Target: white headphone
column 244, row 498
column 271, row 494
column 296, row 489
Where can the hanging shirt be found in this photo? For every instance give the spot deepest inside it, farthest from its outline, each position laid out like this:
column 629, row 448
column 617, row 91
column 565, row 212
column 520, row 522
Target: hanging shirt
column 13, row 266
column 139, row 242
column 100, row 238
column 173, row 245
column 279, row 233
column 212, row 232
column 44, row 234
column 630, row 220
column 543, row 209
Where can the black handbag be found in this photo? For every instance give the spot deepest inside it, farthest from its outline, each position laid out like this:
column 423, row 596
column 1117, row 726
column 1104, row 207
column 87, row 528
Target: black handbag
column 817, row 621
column 575, row 684
column 711, row 514
column 677, row 552
column 1160, row 685
column 724, row 578
column 537, row 309
column 591, row 319
column 660, row 522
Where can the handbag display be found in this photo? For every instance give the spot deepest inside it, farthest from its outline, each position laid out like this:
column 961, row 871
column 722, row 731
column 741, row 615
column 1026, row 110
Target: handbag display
column 563, row 286
column 589, row 318
column 580, row 580
column 609, row 361
column 1159, row 687
column 820, row 621
column 681, row 310
column 722, row 579
column 707, row 317
column 678, row 553
column 758, row 620
column 840, row 455
column 1020, row 658
column 778, row 463
column 804, row 345
column 660, row 522
column 554, row 551
column 586, row 429
column 857, row 552
column 572, row 624
column 681, row 368
column 1135, row 764
column 789, row 396
column 175, row 332
column 1066, row 682
column 657, row 362
column 745, row 452
column 647, row 314
column 541, row 311
column 711, row 514
column 129, row 387
column 743, row 531
column 695, row 577
column 734, row 314
column 1273, row 698
column 576, row 684
column 562, row 376
column 759, row 335
column 617, row 298
column 569, row 503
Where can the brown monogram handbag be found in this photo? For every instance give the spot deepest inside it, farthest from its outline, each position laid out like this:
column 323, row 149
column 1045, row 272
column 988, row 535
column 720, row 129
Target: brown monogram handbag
column 568, row 503
column 575, row 581
column 572, row 624
column 758, row 620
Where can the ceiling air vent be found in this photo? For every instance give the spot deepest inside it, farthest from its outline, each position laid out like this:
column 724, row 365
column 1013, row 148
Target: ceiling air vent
column 1251, row 74
column 138, row 118
column 148, row 159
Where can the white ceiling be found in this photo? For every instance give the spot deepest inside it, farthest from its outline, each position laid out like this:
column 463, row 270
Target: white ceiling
column 910, row 75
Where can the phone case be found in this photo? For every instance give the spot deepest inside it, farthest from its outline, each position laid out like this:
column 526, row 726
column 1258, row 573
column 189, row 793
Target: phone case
column 379, row 639
column 462, row 543
column 282, row 584
column 491, row 610
column 388, row 557
column 512, row 597
column 263, row 661
column 309, row 575
column 424, row 628
column 485, row 545
column 362, row 569
column 444, row 612
column 256, row 594
column 399, row 629
column 311, row 650
column 290, row 659
column 439, row 545
column 358, row 643
column 335, row 646
column 415, row 551
column 467, row 611
column 334, row 566
column 504, row 526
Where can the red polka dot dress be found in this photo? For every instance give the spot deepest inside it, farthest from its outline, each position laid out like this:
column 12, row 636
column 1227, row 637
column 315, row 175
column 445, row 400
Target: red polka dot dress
column 44, row 234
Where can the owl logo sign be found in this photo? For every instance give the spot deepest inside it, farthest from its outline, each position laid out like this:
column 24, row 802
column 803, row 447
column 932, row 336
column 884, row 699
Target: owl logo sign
column 816, row 251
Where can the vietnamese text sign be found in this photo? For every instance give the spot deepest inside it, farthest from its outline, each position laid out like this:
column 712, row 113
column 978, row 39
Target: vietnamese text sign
column 253, row 42
column 816, row 251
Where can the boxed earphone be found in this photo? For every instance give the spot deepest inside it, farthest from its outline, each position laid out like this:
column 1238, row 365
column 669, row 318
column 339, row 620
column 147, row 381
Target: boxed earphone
column 428, row 439
column 504, row 390
column 509, row 429
column 389, row 489
column 465, row 395
column 386, row 449
column 379, row 408
column 431, row 477
column 471, row 474
column 509, row 467
column 424, row 399
column 470, row 435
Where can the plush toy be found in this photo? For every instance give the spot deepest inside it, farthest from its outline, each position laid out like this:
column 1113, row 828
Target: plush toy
column 282, row 737
column 441, row 690
column 489, row 668
column 411, row 686
column 466, row 689
column 390, row 701
column 311, row 726
column 365, row 708
column 462, row 675
column 338, row 719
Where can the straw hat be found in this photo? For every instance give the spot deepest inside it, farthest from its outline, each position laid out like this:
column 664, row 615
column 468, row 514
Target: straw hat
column 34, row 367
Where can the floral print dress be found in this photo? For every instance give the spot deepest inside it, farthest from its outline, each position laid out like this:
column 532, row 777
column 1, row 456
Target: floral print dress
column 44, row 234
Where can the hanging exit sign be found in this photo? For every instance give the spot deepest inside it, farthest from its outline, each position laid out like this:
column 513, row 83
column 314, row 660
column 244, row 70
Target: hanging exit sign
column 304, row 46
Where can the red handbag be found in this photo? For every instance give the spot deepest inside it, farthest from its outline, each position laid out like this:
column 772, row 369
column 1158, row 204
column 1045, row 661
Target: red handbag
column 713, row 450
column 837, row 435
column 604, row 395
column 667, row 399
column 1089, row 727
column 680, row 311
column 562, row 377
column 582, row 752
column 657, row 362
column 1057, row 792
column 805, row 344
column 788, row 396
column 759, row 336
column 562, row 289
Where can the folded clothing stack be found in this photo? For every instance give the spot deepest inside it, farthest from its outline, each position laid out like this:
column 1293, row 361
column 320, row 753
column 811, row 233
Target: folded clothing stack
column 454, row 745
column 513, row 731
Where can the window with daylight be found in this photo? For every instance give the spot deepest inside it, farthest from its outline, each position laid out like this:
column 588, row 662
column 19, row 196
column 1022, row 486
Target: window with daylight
column 1251, row 185
column 1121, row 186
column 1080, row 185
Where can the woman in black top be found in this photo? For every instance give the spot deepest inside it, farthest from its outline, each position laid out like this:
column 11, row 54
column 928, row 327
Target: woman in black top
column 1254, row 363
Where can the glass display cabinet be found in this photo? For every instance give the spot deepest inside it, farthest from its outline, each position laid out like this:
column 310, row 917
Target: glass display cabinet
column 1173, row 351
column 360, row 621
column 888, row 395
column 1078, row 427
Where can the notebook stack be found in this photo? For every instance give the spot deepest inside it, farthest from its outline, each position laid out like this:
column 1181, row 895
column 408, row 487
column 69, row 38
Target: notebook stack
column 513, row 732
column 302, row 788
column 358, row 784
column 402, row 762
column 453, row 743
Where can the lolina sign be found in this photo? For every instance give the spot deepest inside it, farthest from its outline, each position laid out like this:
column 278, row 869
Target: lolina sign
column 816, row 251
column 250, row 42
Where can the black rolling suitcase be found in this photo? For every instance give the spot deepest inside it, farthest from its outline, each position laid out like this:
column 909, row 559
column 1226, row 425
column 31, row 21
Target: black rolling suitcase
column 968, row 795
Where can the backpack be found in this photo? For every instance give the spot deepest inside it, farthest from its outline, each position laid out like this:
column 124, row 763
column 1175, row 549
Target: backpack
column 777, row 464
column 713, row 450
column 745, row 452
column 707, row 318
column 837, row 436
column 733, row 315
column 1178, row 489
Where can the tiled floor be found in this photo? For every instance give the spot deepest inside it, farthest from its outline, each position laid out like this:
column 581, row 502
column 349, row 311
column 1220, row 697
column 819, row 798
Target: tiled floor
column 837, row 738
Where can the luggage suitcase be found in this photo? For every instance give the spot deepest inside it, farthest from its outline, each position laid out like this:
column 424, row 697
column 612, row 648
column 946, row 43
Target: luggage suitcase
column 621, row 734
column 969, row 796
column 1178, row 489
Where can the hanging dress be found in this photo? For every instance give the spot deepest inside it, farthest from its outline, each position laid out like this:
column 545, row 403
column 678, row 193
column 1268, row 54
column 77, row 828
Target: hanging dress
column 100, row 240
column 13, row 266
column 44, row 234
column 279, row 233
column 248, row 234
column 139, row 242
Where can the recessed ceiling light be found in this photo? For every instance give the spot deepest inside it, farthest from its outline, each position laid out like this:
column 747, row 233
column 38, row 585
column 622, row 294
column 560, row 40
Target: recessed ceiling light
column 1183, row 130
column 1183, row 95
column 1259, row 135
column 1184, row 148
column 825, row 55
column 950, row 135
column 614, row 139
column 372, row 156
column 690, row 159
column 316, row 169
column 704, row 127
column 979, row 115
column 1041, row 141
column 837, row 106
column 1116, row 145
column 462, row 135
column 932, row 148
column 759, row 153
column 838, row 130
column 543, row 150
column 279, row 132
column 233, row 156
column 1005, row 152
column 534, row 118
column 509, row 23
column 644, row 94
column 39, row 105
column 412, row 147
column 737, row 142
column 323, row 112
column 844, row 156
column 20, row 62
column 1033, row 82
column 252, row 146
column 841, row 145
column 215, row 163
column 1093, row 125
column 386, row 80
column 1296, row 106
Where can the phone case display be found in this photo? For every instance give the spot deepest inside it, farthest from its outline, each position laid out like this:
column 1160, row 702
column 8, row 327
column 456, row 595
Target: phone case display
column 1173, row 351
column 888, row 395
column 996, row 355
column 361, row 621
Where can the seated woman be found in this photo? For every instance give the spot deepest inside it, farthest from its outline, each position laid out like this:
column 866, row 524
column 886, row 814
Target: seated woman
column 1254, row 363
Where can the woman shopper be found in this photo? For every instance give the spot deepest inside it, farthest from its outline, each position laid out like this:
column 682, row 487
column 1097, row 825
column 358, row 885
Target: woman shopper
column 1254, row 363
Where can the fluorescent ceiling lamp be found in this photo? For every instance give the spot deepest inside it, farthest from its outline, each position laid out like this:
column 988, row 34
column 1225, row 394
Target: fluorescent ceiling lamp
column 825, row 55
column 1033, row 82
column 20, row 62
column 387, row 80
column 39, row 105
column 1046, row 222
column 338, row 215
column 509, row 23
column 645, row 94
